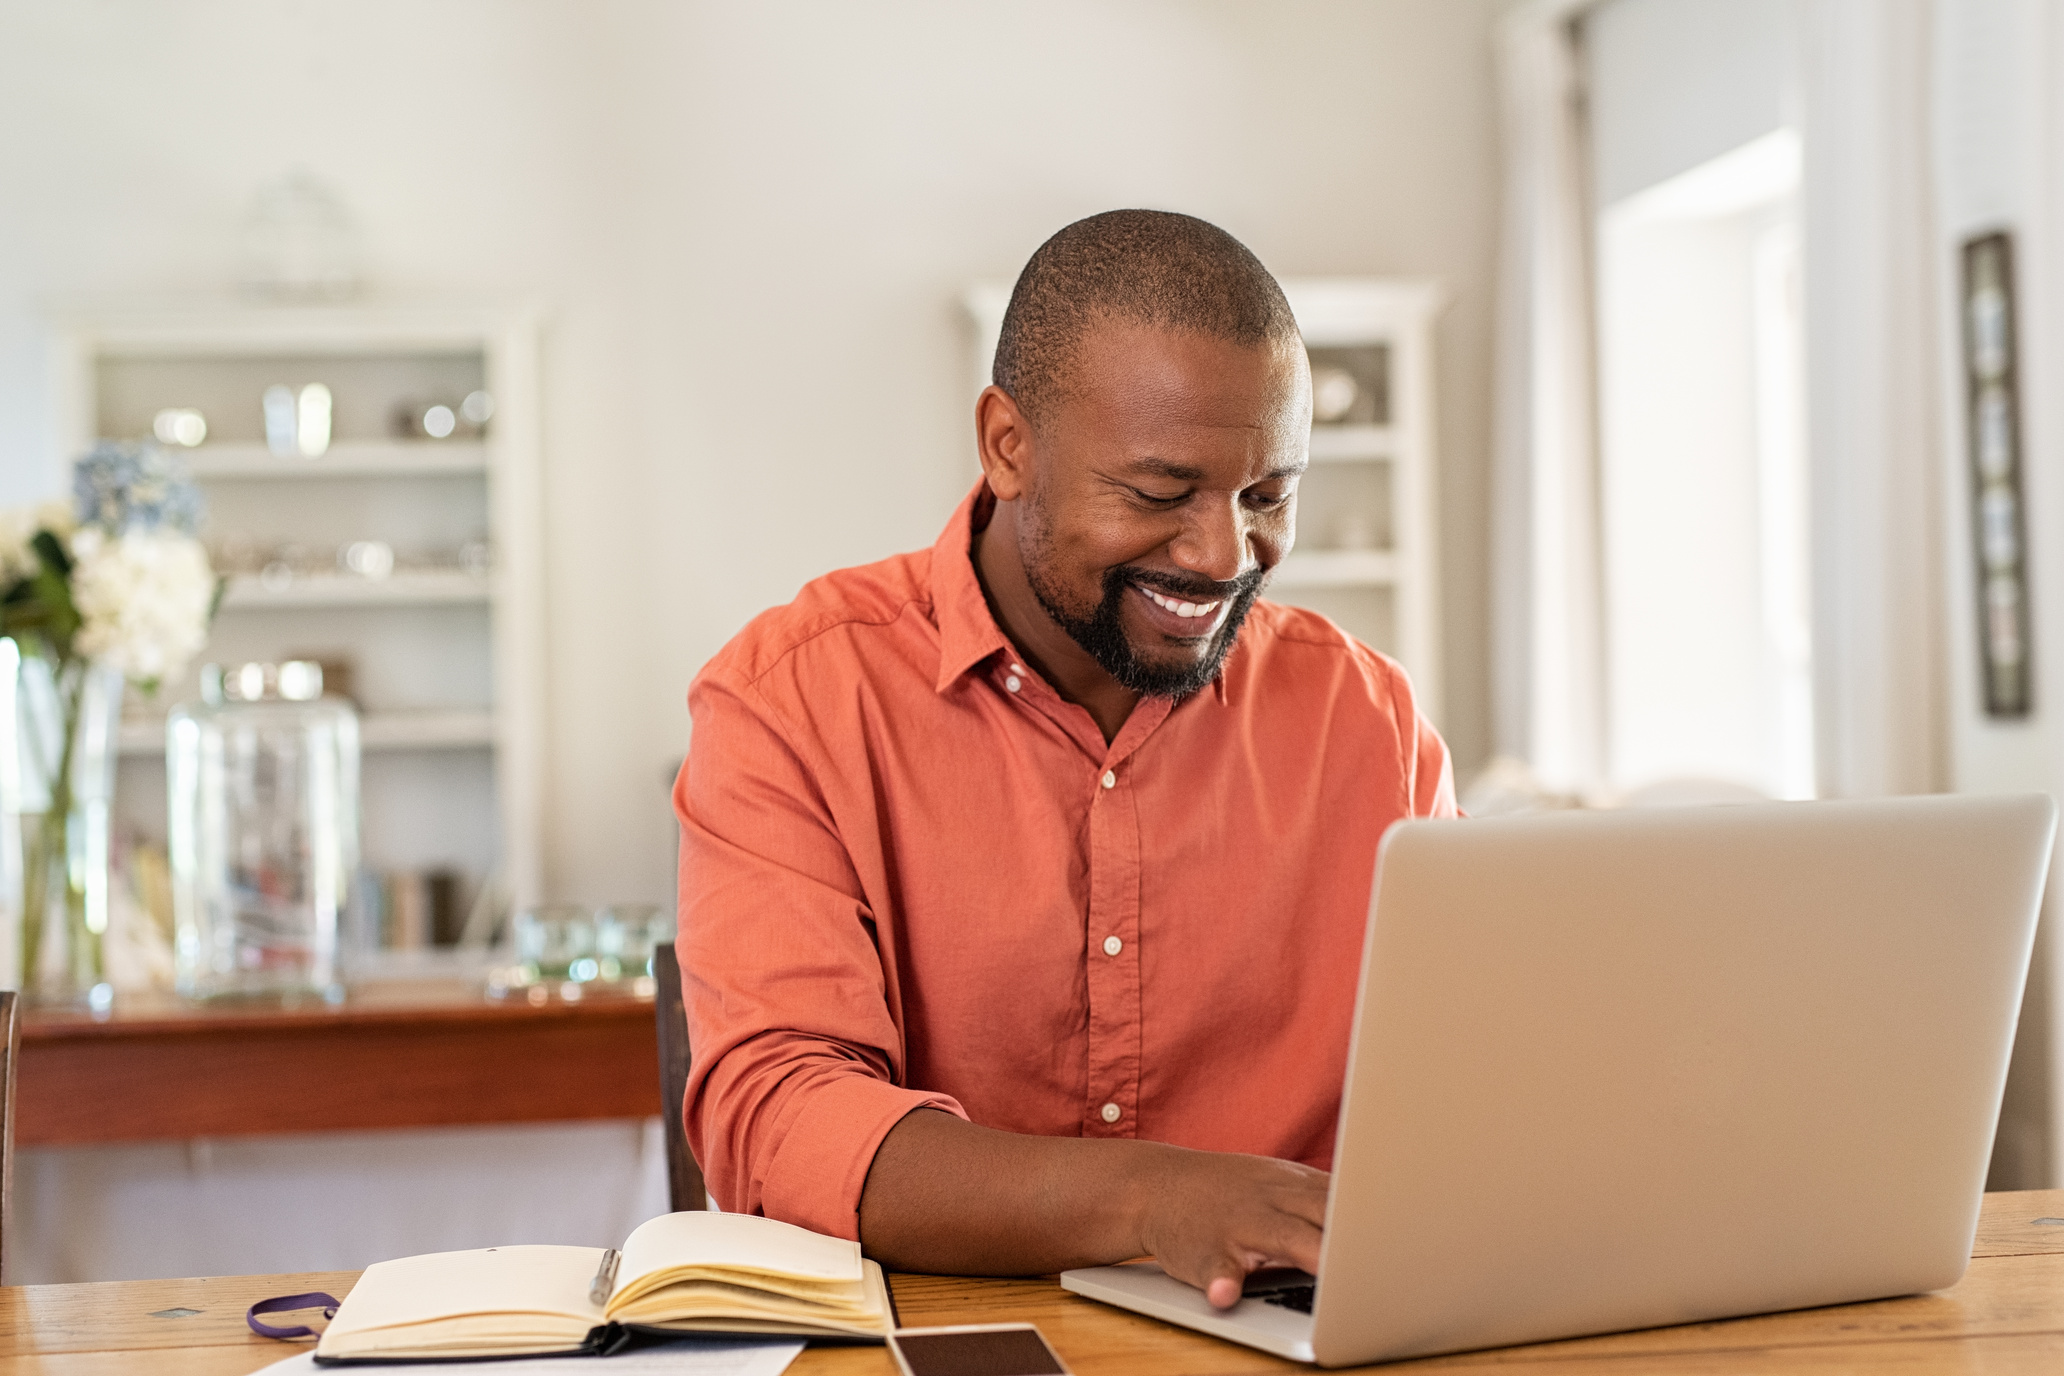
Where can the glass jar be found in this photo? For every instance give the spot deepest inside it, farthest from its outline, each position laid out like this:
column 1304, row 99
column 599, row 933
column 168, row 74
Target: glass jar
column 264, row 824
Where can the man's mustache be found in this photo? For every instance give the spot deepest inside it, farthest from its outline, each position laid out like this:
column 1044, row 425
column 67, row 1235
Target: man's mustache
column 1190, row 589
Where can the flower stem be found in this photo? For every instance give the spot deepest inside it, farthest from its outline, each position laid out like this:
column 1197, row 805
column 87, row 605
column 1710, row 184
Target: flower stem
column 49, row 849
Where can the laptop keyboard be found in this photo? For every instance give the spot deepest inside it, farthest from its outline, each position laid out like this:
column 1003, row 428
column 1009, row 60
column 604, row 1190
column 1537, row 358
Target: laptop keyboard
column 1297, row 1297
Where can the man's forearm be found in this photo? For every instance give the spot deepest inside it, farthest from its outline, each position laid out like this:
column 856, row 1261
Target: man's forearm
column 944, row 1195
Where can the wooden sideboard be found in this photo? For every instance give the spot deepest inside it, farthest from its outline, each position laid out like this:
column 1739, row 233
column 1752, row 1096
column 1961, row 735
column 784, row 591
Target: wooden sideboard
column 407, row 1054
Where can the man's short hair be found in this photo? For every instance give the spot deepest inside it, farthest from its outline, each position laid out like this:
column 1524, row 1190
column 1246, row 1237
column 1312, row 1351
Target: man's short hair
column 1144, row 267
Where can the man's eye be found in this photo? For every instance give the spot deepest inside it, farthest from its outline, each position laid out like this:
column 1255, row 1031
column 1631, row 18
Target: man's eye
column 1267, row 501
column 1157, row 499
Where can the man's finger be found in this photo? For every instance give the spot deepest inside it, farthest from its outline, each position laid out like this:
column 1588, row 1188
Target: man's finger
column 1224, row 1291
column 1309, row 1205
column 1296, row 1243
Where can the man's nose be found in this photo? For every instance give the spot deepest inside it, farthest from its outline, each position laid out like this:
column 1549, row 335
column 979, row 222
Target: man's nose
column 1215, row 542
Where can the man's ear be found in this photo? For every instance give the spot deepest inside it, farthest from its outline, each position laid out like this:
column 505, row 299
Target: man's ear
column 1005, row 438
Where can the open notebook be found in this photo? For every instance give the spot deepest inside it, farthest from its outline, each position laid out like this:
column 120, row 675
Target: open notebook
column 685, row 1272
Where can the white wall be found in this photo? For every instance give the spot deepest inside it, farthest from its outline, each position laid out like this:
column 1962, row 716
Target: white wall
column 333, row 1201
column 748, row 223
column 1998, row 123
column 1671, row 84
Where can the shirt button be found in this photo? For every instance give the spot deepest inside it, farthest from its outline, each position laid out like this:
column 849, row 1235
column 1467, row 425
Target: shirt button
column 1012, row 683
column 1017, row 668
column 1110, row 779
column 1112, row 1113
column 1112, row 945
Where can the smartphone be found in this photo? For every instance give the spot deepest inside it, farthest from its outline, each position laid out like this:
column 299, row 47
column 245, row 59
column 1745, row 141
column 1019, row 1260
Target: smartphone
column 979, row 1349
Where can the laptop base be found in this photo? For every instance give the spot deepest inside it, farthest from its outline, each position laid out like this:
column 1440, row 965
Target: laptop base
column 1145, row 1288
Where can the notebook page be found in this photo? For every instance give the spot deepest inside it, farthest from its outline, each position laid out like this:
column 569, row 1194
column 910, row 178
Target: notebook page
column 700, row 1238
column 691, row 1357
column 493, row 1280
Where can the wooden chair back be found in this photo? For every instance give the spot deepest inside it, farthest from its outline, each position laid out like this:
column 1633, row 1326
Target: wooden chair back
column 684, row 1177
column 10, row 1056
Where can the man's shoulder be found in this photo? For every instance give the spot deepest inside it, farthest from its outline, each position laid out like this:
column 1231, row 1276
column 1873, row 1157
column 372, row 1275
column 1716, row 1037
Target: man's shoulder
column 1280, row 624
column 828, row 609
column 1301, row 645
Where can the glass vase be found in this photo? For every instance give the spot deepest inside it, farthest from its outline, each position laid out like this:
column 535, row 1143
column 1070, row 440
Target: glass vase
column 264, row 820
column 58, row 724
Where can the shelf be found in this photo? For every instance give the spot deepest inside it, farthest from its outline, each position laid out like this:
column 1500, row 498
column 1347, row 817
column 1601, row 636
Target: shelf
column 426, row 730
column 440, row 729
column 247, row 593
column 1352, row 443
column 396, row 458
column 465, row 788
column 1338, row 568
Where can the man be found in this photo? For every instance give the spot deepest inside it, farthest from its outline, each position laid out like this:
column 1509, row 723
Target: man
column 1023, row 879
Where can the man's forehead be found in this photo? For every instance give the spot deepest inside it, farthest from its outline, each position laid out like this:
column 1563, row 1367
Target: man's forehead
column 1177, row 470
column 1187, row 377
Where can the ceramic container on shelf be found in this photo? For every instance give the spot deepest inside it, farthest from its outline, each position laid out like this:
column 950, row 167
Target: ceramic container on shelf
column 57, row 777
column 264, row 823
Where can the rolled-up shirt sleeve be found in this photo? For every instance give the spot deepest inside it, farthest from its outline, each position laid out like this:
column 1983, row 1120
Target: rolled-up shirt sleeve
column 798, row 1062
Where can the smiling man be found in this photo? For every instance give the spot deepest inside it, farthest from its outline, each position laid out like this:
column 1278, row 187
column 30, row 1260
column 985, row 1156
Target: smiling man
column 1023, row 879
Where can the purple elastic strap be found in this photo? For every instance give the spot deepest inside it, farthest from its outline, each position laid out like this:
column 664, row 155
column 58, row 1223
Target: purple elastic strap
column 280, row 1304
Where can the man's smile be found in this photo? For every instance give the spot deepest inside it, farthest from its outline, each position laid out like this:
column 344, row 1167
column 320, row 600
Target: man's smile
column 1179, row 617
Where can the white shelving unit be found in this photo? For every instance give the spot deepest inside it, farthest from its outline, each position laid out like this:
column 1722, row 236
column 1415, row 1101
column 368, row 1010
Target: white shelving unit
column 1351, row 443
column 422, row 730
column 347, row 460
column 1368, row 522
column 448, row 663
column 248, row 591
column 1338, row 568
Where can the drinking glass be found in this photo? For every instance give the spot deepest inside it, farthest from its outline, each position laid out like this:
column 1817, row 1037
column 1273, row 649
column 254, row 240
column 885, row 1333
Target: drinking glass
column 625, row 934
column 555, row 943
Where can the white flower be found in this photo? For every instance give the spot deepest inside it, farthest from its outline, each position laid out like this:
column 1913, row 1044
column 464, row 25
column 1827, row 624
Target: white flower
column 142, row 600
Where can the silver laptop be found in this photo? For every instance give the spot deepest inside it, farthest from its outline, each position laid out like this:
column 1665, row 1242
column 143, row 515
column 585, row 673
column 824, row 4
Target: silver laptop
column 1617, row 1070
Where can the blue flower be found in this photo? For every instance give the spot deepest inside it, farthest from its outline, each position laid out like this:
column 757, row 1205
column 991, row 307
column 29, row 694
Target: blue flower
column 125, row 485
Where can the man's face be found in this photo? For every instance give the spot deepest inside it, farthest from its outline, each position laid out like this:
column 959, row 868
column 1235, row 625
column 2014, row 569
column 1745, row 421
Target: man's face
column 1164, row 488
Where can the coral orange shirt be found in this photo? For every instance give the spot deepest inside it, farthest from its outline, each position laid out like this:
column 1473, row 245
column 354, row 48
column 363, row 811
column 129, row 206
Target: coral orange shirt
column 912, row 874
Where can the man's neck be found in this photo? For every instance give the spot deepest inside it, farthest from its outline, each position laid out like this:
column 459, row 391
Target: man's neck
column 1075, row 675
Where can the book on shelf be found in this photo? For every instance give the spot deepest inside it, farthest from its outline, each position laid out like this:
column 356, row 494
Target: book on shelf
column 679, row 1273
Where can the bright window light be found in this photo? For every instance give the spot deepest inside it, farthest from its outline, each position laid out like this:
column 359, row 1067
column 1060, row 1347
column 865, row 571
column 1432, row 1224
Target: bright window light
column 1703, row 479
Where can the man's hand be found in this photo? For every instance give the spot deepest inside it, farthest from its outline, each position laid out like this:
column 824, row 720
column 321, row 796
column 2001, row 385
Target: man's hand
column 1216, row 1216
column 944, row 1195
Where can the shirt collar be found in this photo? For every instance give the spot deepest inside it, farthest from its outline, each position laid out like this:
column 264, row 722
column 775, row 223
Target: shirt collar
column 968, row 633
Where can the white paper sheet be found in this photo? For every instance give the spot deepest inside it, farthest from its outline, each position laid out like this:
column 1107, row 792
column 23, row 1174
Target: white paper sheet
column 683, row 1357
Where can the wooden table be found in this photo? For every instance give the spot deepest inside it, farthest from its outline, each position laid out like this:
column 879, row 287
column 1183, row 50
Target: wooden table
column 405, row 1054
column 2005, row 1317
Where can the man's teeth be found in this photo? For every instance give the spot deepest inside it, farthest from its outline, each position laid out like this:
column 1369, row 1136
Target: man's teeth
column 1181, row 608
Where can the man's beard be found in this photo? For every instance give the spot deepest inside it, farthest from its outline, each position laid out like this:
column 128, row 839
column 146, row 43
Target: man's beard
column 1102, row 633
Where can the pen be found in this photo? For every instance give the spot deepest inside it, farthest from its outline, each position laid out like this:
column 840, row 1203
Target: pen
column 605, row 1277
